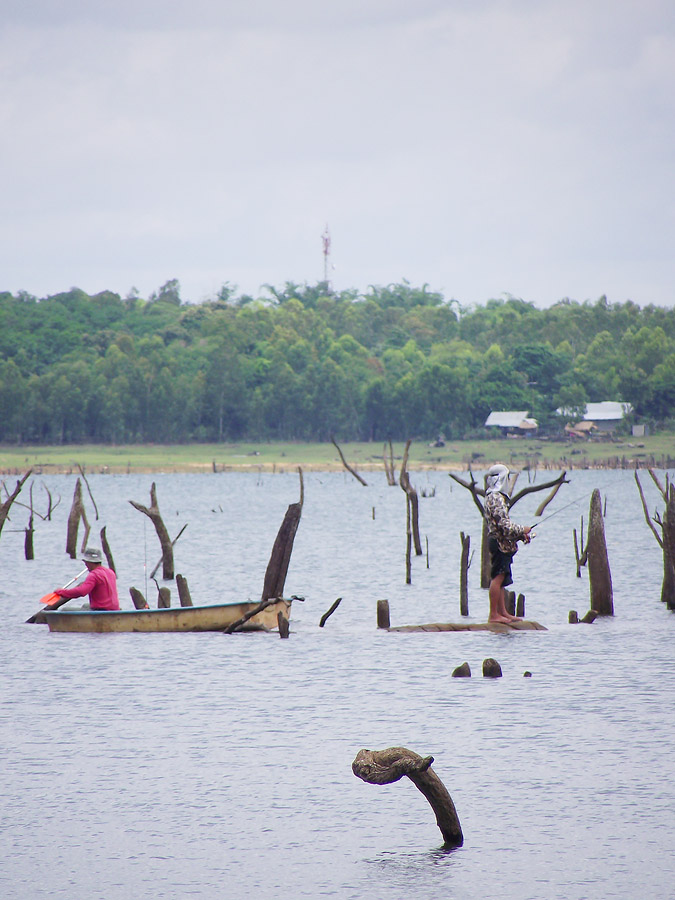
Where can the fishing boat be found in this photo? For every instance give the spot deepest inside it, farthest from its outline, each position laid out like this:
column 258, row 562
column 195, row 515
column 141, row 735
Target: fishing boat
column 181, row 618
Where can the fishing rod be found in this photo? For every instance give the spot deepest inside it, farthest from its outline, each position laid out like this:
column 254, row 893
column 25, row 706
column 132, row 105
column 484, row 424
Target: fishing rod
column 562, row 508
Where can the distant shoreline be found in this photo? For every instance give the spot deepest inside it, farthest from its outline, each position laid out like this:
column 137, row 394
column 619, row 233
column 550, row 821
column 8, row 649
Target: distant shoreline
column 657, row 451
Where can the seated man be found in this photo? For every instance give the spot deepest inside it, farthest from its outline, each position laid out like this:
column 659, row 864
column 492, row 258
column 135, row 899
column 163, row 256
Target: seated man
column 100, row 584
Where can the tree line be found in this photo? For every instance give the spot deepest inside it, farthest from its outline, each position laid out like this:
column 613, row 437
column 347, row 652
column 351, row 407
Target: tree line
column 304, row 362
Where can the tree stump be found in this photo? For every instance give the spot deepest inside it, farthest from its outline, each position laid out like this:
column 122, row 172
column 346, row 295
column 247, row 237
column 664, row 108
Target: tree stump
column 464, row 575
column 77, row 513
column 388, row 766
column 183, row 591
column 463, row 671
column 153, row 513
column 491, row 668
column 599, row 575
column 383, row 620
column 138, row 599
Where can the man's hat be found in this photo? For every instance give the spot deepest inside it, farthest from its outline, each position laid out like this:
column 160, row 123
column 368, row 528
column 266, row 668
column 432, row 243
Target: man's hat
column 92, row 555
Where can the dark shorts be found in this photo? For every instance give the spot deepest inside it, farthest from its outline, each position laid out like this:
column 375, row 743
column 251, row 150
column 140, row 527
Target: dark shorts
column 500, row 562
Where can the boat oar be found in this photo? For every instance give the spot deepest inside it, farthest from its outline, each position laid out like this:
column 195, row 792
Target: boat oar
column 52, row 599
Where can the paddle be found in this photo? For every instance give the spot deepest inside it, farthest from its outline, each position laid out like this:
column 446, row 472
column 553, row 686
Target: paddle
column 52, row 599
column 53, row 596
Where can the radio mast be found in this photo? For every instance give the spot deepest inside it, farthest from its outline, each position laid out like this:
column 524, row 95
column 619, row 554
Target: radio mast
column 325, row 238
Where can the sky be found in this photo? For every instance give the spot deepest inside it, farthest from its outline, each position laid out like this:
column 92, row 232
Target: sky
column 485, row 148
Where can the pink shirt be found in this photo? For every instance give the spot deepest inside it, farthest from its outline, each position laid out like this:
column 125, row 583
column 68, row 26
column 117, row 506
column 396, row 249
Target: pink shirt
column 100, row 584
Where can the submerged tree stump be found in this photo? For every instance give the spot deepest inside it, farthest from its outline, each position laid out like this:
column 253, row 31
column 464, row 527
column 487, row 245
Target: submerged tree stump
column 183, row 591
column 77, row 513
column 600, row 577
column 277, row 567
column 6, row 506
column 464, row 574
column 388, row 766
column 138, row 599
column 153, row 513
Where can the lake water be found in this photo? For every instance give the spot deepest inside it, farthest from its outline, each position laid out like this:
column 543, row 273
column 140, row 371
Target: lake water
column 210, row 766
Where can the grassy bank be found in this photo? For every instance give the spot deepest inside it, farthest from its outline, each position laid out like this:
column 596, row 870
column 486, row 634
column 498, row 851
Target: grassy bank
column 656, row 450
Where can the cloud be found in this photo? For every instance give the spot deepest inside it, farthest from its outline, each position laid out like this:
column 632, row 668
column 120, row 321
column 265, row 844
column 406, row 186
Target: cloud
column 489, row 147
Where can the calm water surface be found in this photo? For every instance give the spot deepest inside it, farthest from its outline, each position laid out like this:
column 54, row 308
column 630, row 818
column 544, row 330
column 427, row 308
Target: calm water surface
column 210, row 766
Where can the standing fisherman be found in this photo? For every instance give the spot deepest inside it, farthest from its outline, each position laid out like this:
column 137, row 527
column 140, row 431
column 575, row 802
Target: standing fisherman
column 503, row 541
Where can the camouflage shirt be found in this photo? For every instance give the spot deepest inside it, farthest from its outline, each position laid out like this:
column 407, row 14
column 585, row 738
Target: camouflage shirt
column 500, row 525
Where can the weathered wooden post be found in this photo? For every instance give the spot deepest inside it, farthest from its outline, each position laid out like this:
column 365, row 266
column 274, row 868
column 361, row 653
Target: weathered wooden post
column 164, row 598
column 464, row 575
column 388, row 766
column 599, row 574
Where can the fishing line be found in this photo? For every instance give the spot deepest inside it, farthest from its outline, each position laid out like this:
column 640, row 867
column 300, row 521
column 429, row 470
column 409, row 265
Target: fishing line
column 145, row 556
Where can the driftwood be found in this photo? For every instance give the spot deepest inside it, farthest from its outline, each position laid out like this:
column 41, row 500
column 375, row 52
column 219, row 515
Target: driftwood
column 326, row 615
column 599, row 574
column 77, row 514
column 388, row 766
column 277, row 567
column 665, row 534
column 6, row 506
column 249, row 615
column 346, row 464
column 153, row 513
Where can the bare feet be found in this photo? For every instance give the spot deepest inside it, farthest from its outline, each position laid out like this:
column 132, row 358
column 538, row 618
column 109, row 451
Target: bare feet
column 499, row 620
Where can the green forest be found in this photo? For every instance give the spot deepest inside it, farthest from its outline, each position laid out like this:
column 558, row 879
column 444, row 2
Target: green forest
column 304, row 362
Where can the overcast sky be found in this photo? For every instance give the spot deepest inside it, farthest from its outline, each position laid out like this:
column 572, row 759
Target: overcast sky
column 483, row 147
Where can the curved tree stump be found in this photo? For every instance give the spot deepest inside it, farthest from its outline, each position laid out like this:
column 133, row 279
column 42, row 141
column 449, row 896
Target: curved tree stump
column 387, row 766
column 153, row 513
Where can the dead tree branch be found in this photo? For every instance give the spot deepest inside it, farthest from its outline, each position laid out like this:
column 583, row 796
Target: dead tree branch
column 346, row 464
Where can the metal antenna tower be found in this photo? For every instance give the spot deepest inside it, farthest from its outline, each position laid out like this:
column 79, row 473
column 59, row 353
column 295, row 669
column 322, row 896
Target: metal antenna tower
column 325, row 238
